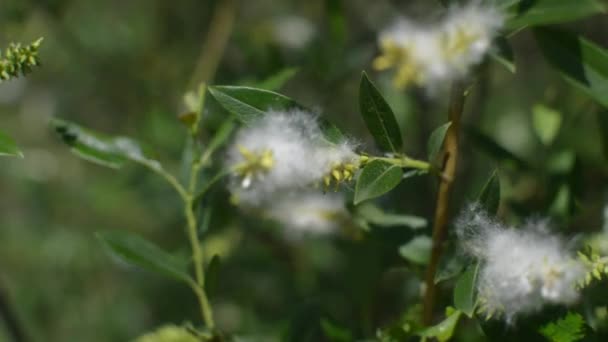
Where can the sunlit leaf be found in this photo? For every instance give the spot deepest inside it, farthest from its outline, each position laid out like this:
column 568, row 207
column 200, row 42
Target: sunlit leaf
column 546, row 123
column 8, row 147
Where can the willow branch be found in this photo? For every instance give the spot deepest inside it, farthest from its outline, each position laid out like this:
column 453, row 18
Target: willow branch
column 440, row 222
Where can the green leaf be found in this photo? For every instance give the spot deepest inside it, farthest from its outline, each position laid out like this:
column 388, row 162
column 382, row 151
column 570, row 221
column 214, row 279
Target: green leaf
column 376, row 216
column 377, row 178
column 8, row 147
column 112, row 152
column 417, row 250
column 249, row 104
column 212, row 274
column 568, row 329
column 561, row 202
column 546, row 123
column 450, row 266
column 544, row 12
column 169, row 333
column 335, row 333
column 276, row 81
column 582, row 63
column 489, row 197
column 464, row 290
column 378, row 116
column 436, row 141
column 445, row 329
column 139, row 252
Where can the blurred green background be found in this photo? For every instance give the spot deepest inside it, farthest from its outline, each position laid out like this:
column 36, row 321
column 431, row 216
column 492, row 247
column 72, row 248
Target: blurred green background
column 122, row 67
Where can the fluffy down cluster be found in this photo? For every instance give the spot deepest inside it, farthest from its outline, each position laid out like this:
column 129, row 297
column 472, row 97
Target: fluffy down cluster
column 521, row 269
column 281, row 153
column 431, row 56
column 309, row 213
column 278, row 159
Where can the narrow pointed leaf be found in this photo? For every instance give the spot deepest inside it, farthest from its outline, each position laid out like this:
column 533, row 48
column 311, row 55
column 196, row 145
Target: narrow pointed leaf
column 249, row 104
column 104, row 150
column 582, row 63
column 139, row 252
column 378, row 116
column 544, row 12
column 435, row 141
column 489, row 197
column 465, row 290
column 376, row 179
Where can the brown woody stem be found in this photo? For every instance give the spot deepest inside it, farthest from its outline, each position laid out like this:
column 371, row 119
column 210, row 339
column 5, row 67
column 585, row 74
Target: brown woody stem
column 440, row 222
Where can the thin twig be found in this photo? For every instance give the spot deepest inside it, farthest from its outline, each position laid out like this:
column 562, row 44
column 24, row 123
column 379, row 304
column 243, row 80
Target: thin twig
column 450, row 157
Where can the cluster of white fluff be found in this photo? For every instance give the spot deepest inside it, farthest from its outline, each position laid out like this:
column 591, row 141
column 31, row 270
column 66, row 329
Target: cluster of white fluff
column 299, row 156
column 521, row 269
column 431, row 56
column 308, row 213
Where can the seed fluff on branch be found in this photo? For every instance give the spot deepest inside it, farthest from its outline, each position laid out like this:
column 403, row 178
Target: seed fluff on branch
column 522, row 269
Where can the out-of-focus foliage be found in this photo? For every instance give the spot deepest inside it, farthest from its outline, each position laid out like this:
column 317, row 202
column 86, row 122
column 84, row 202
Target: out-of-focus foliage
column 123, row 67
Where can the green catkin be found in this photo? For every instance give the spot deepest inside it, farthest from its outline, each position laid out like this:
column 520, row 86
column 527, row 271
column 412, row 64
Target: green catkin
column 18, row 60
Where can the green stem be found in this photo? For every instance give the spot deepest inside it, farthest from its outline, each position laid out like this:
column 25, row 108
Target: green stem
column 190, row 201
column 167, row 176
column 210, row 183
column 197, row 258
column 405, row 162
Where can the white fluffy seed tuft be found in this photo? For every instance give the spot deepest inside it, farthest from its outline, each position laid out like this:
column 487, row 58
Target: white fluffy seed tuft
column 521, row 269
column 431, row 56
column 300, row 156
column 309, row 213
